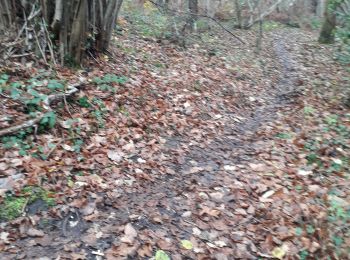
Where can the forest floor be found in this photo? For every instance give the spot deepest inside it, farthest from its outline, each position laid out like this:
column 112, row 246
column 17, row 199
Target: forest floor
column 209, row 152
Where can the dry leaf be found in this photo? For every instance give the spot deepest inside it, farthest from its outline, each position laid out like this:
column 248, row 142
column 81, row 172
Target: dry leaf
column 130, row 234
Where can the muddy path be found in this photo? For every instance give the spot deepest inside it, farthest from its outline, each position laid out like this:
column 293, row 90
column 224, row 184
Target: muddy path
column 209, row 180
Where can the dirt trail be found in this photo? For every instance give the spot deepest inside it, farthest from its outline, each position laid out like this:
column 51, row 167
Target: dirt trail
column 170, row 196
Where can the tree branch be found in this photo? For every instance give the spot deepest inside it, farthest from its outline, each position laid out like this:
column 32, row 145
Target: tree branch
column 46, row 105
column 198, row 15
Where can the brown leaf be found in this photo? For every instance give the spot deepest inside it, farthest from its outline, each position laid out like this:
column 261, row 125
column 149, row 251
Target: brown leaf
column 35, row 232
column 145, row 250
column 88, row 209
column 209, row 211
column 115, row 156
column 130, row 234
column 165, row 244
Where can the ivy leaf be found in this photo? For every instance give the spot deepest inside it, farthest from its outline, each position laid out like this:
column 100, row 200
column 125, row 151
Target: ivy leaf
column 298, row 231
column 55, row 84
column 50, row 119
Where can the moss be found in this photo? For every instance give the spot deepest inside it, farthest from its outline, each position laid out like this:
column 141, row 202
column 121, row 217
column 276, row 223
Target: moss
column 38, row 193
column 13, row 206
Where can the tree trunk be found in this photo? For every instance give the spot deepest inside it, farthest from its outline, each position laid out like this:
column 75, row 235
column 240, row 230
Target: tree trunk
column 328, row 27
column 320, row 9
column 193, row 8
column 5, row 14
column 238, row 10
column 77, row 25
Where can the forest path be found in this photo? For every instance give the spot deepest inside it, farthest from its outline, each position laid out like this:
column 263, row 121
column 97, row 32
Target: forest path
column 213, row 195
column 210, row 173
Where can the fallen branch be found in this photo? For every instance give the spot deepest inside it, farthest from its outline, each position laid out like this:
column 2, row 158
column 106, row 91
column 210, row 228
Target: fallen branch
column 46, row 105
column 24, row 125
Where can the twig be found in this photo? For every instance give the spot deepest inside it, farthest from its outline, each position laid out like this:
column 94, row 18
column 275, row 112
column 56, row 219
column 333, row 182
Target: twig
column 40, row 49
column 199, row 15
column 21, row 55
column 50, row 44
column 24, row 207
column 53, row 149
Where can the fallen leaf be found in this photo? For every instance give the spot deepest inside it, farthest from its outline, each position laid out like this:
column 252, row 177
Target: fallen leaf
column 195, row 170
column 130, row 234
column 302, row 172
column 279, row 252
column 220, row 243
column 217, row 195
column 114, row 156
column 35, row 232
column 161, row 255
column 258, row 167
column 241, row 211
column 229, row 168
column 67, row 147
column 4, row 236
column 268, row 194
column 3, row 166
column 209, row 211
column 187, row 244
column 145, row 250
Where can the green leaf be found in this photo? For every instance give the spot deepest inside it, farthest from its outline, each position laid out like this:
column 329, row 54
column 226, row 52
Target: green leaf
column 55, row 84
column 22, row 152
column 298, row 231
column 303, row 254
column 34, row 101
column 161, row 255
column 15, row 93
column 331, row 120
column 186, row 244
column 310, row 229
column 15, row 84
column 4, row 76
column 309, row 110
column 49, row 118
column 84, row 102
column 52, row 119
column 284, row 135
column 338, row 241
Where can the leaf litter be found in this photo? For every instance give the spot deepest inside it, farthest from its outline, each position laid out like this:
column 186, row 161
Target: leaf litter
column 200, row 157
